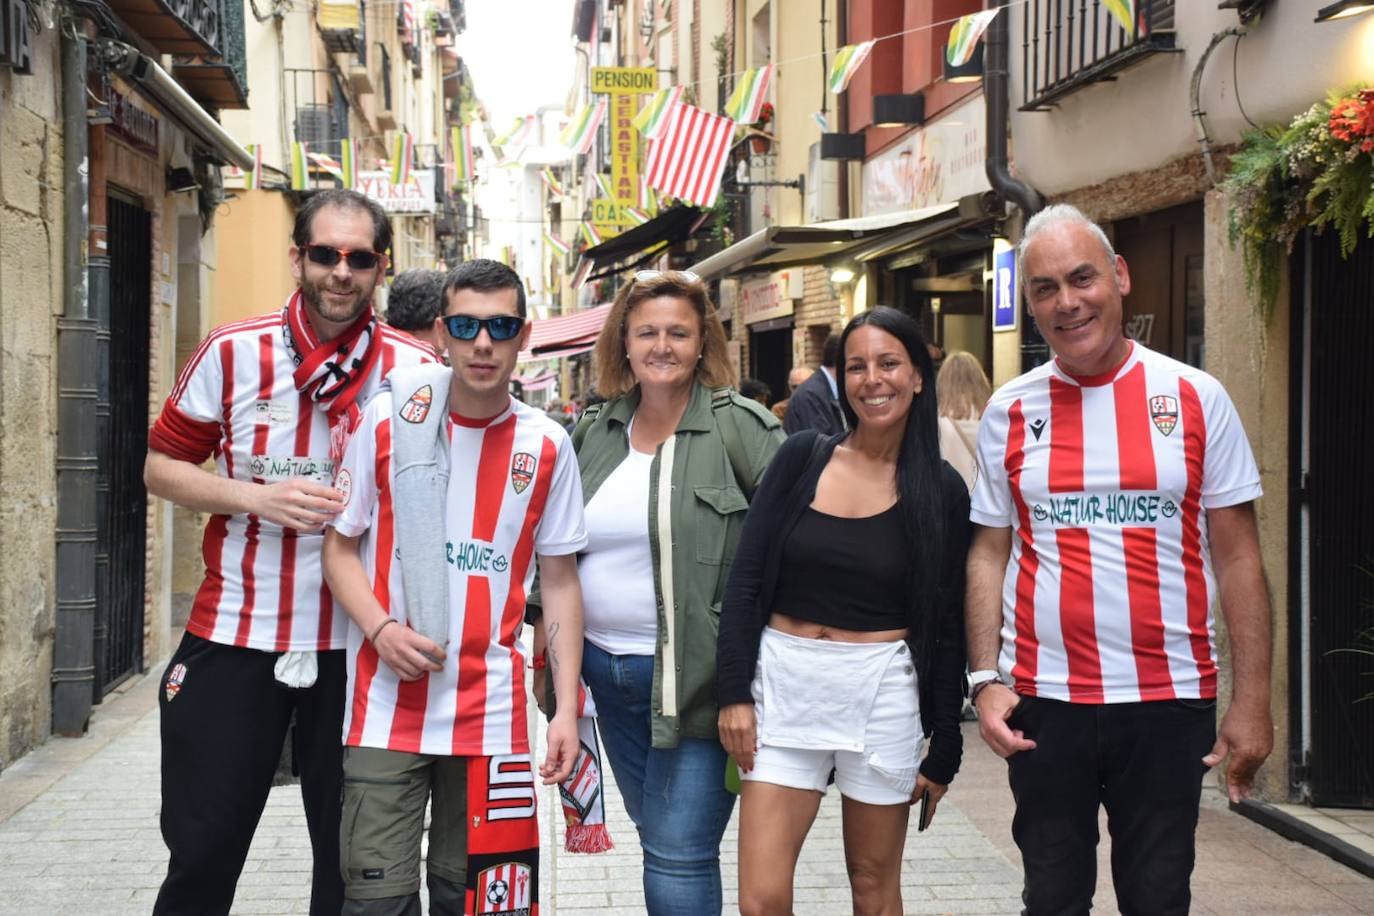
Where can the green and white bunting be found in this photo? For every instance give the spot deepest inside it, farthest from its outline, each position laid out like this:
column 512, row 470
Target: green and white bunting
column 463, row 160
column 964, row 36
column 402, row 149
column 579, row 134
column 348, row 163
column 328, row 163
column 848, row 60
column 560, row 247
column 551, row 182
column 747, row 100
column 590, row 235
column 253, row 177
column 636, row 215
column 654, row 116
column 603, row 185
column 300, row 168
column 1123, row 11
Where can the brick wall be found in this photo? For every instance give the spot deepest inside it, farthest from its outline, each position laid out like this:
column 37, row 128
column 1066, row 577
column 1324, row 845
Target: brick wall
column 818, row 314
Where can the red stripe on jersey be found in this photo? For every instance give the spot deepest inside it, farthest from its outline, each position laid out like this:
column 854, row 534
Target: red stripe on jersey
column 493, row 476
column 1077, row 615
column 205, row 611
column 1066, row 437
column 513, row 615
column 1195, row 580
column 1027, row 643
column 1134, row 446
column 266, row 376
column 408, row 722
column 217, row 336
column 381, row 581
column 1152, row 672
column 286, row 593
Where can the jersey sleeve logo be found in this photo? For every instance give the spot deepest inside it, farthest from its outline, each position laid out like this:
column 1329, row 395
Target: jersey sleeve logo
column 1164, row 411
column 344, row 484
column 522, row 471
column 416, row 407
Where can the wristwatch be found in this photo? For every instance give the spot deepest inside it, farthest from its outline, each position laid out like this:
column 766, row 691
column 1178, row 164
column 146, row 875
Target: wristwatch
column 977, row 680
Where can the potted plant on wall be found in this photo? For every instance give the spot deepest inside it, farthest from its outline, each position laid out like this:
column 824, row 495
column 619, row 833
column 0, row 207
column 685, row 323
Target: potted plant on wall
column 760, row 141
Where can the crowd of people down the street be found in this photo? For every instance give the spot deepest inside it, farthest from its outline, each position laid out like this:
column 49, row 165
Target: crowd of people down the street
column 724, row 606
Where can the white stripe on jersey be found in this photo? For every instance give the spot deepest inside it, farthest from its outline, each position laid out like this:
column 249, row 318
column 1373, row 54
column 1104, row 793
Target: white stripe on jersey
column 263, row 587
column 514, row 491
column 1105, row 484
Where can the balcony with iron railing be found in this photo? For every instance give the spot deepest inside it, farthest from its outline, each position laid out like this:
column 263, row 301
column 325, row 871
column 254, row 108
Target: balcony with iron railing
column 1069, row 44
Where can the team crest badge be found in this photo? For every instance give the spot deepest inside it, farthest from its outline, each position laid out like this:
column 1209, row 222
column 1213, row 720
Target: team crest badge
column 416, row 407
column 1164, row 411
column 505, row 888
column 175, row 678
column 521, row 471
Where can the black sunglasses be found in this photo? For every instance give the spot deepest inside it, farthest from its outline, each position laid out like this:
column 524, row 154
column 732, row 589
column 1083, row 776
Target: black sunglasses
column 328, row 256
column 499, row 327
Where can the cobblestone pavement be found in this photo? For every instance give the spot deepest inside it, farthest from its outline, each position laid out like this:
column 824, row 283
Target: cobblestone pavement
column 79, row 835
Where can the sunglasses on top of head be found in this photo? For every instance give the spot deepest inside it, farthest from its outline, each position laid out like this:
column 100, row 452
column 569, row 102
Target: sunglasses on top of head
column 328, row 256
column 644, row 276
column 499, row 327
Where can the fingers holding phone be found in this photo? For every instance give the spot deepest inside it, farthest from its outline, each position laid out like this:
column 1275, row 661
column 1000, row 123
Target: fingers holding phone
column 928, row 795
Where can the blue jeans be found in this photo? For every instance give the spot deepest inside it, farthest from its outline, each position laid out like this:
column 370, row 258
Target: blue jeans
column 675, row 796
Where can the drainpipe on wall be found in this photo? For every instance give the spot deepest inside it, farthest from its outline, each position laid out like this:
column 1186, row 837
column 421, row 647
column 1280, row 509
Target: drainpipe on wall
column 78, row 377
column 996, row 89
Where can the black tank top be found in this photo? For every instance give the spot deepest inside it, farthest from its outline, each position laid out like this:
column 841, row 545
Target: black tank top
column 846, row 572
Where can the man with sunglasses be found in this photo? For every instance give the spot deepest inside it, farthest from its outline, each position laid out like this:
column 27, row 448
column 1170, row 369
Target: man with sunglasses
column 454, row 487
column 272, row 400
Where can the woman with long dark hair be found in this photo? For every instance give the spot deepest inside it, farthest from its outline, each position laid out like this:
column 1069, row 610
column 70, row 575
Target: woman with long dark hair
column 841, row 633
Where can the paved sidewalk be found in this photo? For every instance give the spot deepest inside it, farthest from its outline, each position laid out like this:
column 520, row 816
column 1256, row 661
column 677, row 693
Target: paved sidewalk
column 79, row 835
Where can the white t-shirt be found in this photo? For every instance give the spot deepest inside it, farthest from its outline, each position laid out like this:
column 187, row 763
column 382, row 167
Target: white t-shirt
column 513, row 492
column 1105, row 483
column 617, row 569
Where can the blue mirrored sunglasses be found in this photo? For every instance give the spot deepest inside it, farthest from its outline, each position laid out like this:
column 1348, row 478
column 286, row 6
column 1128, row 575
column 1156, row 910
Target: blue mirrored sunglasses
column 499, row 327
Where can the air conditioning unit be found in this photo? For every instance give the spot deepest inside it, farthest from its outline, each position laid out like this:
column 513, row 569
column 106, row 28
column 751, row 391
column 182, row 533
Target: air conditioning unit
column 822, row 187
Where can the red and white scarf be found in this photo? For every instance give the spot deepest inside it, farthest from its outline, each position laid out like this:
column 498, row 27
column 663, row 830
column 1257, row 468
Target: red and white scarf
column 331, row 373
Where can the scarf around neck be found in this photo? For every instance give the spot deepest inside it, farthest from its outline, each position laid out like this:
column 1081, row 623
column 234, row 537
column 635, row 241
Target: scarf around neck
column 331, row 374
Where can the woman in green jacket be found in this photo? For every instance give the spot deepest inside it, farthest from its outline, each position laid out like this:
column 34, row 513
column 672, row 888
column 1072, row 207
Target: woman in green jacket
column 667, row 466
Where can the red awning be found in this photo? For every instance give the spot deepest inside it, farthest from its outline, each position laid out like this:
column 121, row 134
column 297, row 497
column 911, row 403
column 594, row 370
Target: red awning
column 578, row 327
column 571, row 348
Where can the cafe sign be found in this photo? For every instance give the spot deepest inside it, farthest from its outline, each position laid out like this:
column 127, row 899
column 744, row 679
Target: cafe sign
column 934, row 164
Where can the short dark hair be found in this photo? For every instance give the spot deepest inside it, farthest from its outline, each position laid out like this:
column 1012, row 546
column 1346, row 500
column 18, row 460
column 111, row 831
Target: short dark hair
column 416, row 298
column 484, row 275
column 344, row 199
column 830, row 352
column 752, row 388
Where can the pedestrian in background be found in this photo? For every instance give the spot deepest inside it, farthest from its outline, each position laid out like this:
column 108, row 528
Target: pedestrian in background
column 1115, row 501
column 964, row 389
column 667, row 466
column 273, row 400
column 753, row 388
column 841, row 635
column 815, row 404
column 413, row 304
column 795, row 378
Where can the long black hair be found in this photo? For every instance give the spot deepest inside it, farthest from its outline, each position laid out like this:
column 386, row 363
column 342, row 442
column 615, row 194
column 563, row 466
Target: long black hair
column 920, row 469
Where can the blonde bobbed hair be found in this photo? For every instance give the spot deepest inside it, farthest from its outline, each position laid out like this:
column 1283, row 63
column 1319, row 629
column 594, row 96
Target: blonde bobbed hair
column 614, row 377
column 962, row 386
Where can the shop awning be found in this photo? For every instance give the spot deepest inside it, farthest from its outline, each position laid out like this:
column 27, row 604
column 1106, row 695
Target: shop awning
column 860, row 239
column 565, row 335
column 670, row 226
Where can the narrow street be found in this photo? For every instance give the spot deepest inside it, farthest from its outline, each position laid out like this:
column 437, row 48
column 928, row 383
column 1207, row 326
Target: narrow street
column 79, row 835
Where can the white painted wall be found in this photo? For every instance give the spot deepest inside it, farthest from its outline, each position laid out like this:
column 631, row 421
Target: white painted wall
column 1142, row 120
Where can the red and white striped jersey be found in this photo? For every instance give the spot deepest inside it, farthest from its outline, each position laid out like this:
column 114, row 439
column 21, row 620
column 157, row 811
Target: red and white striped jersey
column 235, row 399
column 1105, row 482
column 514, row 491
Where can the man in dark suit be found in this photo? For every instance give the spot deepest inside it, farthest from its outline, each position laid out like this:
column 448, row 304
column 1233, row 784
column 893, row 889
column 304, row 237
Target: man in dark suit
column 815, row 404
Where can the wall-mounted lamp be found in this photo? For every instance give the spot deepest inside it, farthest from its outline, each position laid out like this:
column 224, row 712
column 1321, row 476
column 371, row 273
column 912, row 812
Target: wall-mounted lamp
column 968, row 72
column 841, row 275
column 899, row 110
column 1343, row 10
column 842, row 146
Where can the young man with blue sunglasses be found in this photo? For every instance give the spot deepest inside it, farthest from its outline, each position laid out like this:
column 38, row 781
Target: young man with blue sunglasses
column 454, row 487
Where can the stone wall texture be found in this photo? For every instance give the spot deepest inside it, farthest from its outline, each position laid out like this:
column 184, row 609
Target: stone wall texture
column 31, row 232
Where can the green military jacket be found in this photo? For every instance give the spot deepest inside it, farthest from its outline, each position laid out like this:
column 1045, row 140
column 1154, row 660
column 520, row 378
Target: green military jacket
column 696, row 511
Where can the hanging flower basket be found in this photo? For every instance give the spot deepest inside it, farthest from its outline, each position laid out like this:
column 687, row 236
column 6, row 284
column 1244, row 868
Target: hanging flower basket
column 1318, row 171
column 760, row 143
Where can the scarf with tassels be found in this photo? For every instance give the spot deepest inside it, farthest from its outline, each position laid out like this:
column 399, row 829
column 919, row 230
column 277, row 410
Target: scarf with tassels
column 331, row 374
column 584, row 801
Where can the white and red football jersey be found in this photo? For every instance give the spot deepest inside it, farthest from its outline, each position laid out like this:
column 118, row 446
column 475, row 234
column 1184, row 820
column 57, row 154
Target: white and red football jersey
column 514, row 491
column 1105, row 483
column 236, row 399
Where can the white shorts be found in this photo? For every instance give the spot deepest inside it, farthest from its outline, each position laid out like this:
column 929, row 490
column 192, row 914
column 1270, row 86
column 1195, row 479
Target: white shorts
column 839, row 719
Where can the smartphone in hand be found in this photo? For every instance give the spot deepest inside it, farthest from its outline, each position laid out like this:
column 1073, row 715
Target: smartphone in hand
column 925, row 813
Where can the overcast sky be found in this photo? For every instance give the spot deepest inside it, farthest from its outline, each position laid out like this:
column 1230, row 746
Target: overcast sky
column 520, row 54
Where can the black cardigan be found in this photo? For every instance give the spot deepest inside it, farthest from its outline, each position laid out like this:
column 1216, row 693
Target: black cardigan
column 787, row 488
